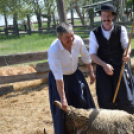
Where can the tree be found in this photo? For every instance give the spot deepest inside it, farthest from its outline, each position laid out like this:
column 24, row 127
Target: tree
column 4, row 10
column 49, row 11
column 41, row 8
column 10, row 7
column 77, row 5
column 61, row 10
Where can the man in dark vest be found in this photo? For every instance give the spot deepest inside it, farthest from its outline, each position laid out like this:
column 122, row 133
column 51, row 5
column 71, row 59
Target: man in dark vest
column 108, row 44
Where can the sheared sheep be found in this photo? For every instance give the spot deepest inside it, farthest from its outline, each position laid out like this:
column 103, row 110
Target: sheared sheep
column 98, row 121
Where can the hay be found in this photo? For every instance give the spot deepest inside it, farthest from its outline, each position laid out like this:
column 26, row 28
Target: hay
column 26, row 110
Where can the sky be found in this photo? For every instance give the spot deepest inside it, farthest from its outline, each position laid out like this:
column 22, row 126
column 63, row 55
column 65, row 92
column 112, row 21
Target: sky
column 10, row 20
column 33, row 18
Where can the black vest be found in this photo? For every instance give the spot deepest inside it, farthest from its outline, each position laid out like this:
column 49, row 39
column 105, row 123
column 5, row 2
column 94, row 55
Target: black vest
column 109, row 50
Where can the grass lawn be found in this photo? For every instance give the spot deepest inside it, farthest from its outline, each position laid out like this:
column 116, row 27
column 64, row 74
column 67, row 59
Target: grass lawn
column 25, row 43
column 132, row 43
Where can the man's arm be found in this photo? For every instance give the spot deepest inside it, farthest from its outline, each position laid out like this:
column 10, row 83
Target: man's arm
column 56, row 67
column 124, row 42
column 107, row 67
column 125, row 57
column 60, row 88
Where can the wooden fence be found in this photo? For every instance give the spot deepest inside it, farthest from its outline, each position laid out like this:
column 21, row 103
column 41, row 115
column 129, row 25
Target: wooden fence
column 42, row 69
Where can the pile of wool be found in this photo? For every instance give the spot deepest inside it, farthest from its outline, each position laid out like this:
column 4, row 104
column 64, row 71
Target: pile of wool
column 98, row 121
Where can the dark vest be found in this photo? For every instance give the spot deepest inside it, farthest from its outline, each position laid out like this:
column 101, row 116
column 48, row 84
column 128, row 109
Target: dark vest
column 109, row 50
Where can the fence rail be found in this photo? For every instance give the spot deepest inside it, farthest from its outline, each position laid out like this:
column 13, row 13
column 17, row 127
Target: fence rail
column 42, row 69
column 22, row 58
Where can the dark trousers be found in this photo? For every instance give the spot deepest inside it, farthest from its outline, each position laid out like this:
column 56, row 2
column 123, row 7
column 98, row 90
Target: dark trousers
column 106, row 85
column 77, row 94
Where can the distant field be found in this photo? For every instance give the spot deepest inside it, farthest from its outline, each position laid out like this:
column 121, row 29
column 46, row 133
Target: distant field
column 38, row 42
column 27, row 43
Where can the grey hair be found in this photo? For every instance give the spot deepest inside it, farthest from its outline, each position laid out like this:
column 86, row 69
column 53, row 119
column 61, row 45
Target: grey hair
column 64, row 28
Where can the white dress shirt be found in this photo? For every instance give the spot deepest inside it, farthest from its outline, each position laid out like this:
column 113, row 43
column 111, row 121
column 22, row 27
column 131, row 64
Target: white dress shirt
column 93, row 47
column 62, row 62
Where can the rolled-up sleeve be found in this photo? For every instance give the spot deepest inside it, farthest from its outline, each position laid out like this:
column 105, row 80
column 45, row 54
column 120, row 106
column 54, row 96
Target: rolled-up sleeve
column 85, row 54
column 55, row 65
column 124, row 37
column 93, row 44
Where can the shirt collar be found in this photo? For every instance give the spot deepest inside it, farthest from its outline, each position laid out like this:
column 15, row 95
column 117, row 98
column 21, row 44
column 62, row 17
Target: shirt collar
column 60, row 45
column 109, row 30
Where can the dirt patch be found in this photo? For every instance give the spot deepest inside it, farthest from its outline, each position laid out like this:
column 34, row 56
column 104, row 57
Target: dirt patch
column 26, row 110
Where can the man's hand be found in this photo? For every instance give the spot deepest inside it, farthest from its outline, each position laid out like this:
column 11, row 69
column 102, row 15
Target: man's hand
column 108, row 69
column 92, row 77
column 126, row 58
column 60, row 88
column 64, row 103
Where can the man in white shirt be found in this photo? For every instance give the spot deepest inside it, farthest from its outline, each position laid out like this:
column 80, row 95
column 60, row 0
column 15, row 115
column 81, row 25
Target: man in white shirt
column 108, row 44
column 66, row 82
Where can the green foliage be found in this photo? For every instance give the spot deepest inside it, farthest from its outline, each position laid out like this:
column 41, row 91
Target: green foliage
column 24, row 7
column 43, row 24
column 129, row 3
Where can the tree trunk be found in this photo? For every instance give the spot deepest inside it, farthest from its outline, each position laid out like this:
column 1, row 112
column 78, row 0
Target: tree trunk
column 54, row 21
column 91, row 16
column 79, row 14
column 116, row 4
column 49, row 22
column 61, row 11
column 15, row 25
column 6, row 30
column 29, row 24
column 39, row 23
column 72, row 16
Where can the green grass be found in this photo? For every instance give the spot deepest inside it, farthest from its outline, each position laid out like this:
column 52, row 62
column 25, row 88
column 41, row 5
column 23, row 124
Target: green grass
column 132, row 43
column 25, row 43
column 43, row 25
column 83, row 36
column 35, row 42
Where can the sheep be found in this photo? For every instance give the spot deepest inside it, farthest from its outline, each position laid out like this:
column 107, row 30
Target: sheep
column 98, row 121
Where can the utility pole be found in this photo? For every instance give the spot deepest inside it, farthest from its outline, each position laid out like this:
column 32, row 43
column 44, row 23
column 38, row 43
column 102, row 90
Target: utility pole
column 123, row 16
column 61, row 11
column 121, row 9
column 72, row 16
column 133, row 5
